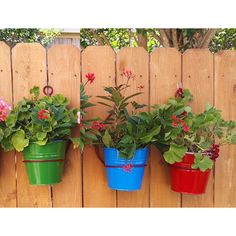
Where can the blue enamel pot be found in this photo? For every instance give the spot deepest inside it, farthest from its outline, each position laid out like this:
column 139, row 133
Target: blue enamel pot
column 122, row 174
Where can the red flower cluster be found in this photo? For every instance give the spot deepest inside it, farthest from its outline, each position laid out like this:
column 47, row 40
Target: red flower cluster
column 176, row 122
column 128, row 74
column 179, row 93
column 97, row 126
column 90, row 77
column 213, row 152
column 128, row 168
column 43, row 114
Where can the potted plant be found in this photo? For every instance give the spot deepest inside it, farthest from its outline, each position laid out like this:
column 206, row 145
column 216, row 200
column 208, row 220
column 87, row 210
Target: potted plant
column 125, row 138
column 41, row 129
column 190, row 142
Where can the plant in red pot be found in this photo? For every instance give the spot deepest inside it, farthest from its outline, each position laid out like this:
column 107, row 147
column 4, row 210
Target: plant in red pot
column 191, row 142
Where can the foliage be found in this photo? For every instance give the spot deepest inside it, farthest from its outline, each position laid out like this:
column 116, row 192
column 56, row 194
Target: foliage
column 224, row 39
column 88, row 131
column 14, row 36
column 182, row 131
column 126, row 131
column 38, row 120
column 181, row 39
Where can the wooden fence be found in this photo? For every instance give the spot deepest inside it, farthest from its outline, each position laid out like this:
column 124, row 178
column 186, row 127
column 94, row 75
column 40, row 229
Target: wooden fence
column 211, row 78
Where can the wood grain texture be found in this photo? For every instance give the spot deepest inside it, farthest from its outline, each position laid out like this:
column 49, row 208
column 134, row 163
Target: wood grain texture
column 7, row 160
column 163, row 83
column 64, row 77
column 136, row 60
column 225, row 100
column 101, row 62
column 198, row 78
column 29, row 69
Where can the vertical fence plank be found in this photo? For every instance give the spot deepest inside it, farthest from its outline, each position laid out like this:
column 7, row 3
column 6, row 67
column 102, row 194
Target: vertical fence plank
column 198, row 77
column 29, row 69
column 165, row 73
column 137, row 60
column 225, row 100
column 7, row 160
column 101, row 62
column 64, row 77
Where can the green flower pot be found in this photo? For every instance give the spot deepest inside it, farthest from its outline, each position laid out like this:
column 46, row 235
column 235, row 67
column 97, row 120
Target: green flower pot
column 45, row 164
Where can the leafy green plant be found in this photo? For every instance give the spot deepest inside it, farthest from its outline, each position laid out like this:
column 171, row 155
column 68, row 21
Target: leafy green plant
column 126, row 131
column 39, row 120
column 184, row 131
column 88, row 127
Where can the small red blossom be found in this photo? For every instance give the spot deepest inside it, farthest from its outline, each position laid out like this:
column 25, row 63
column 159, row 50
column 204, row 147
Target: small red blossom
column 186, row 128
column 97, row 126
column 43, row 114
column 128, row 74
column 174, row 124
column 178, row 122
column 128, row 168
column 179, row 93
column 90, row 77
column 183, row 113
column 213, row 152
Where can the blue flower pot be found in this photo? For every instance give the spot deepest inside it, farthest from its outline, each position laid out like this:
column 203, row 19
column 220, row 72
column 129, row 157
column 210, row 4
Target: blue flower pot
column 122, row 174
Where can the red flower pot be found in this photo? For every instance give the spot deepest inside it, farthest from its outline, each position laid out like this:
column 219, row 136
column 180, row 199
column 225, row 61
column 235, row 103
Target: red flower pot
column 184, row 179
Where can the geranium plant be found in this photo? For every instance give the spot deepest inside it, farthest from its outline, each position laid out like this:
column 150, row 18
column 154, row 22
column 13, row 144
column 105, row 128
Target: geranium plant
column 4, row 111
column 126, row 131
column 39, row 120
column 183, row 131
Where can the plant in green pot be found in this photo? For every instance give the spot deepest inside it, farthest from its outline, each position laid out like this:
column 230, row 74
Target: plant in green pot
column 41, row 129
column 190, row 141
column 126, row 137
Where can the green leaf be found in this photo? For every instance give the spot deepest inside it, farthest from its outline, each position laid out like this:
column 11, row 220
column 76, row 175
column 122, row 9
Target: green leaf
column 42, row 142
column 41, row 135
column 202, row 162
column 19, row 141
column 175, row 153
column 35, row 92
column 107, row 140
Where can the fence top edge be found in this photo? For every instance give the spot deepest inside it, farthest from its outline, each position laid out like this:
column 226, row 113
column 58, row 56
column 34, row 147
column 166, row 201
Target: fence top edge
column 197, row 50
column 226, row 53
column 104, row 47
column 157, row 50
column 71, row 46
column 23, row 45
column 4, row 44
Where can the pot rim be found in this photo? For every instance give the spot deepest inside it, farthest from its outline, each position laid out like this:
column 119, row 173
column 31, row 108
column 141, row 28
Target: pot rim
column 146, row 148
column 52, row 141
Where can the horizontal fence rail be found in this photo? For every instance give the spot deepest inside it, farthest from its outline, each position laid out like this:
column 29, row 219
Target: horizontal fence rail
column 210, row 77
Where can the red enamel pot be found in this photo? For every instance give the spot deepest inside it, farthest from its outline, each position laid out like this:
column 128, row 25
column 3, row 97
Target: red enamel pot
column 184, row 179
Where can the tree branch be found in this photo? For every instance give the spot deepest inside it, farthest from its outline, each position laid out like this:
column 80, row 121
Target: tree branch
column 174, row 38
column 142, row 41
column 207, row 38
column 105, row 39
column 164, row 38
column 97, row 37
column 158, row 38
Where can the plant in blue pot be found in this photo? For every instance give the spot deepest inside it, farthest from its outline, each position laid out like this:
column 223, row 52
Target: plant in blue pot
column 125, row 135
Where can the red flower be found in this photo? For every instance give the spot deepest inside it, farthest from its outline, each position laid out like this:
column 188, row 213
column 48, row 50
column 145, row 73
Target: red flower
column 186, row 128
column 179, row 93
column 174, row 124
column 90, row 77
column 128, row 168
column 97, row 126
column 128, row 74
column 43, row 114
column 213, row 152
